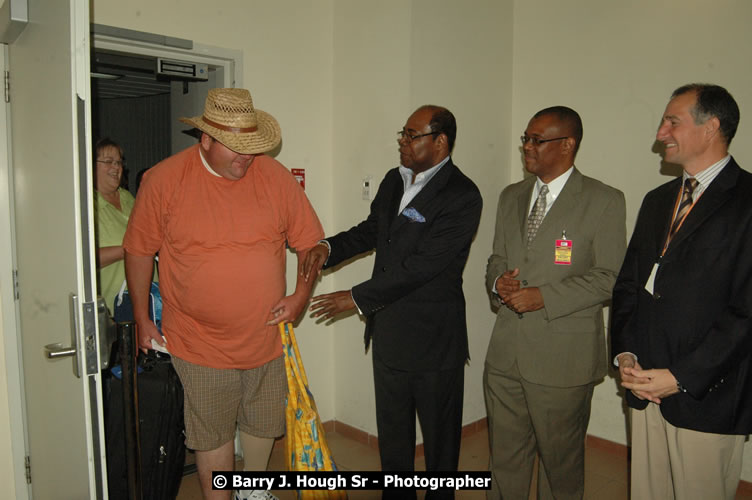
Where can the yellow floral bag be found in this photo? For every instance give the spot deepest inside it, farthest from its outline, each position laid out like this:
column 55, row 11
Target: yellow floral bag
column 305, row 440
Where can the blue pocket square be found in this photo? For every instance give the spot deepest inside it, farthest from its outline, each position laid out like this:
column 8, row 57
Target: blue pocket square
column 413, row 215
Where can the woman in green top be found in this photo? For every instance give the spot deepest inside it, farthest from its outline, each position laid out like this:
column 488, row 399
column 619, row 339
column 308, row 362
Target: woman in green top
column 112, row 207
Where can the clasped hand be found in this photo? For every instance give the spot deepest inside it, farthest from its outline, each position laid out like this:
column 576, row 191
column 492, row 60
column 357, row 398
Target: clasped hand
column 516, row 298
column 652, row 385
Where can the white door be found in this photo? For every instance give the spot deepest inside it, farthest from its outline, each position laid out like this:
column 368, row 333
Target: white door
column 50, row 130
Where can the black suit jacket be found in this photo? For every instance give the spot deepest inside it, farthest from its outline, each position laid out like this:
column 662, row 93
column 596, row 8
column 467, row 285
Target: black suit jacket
column 698, row 322
column 413, row 303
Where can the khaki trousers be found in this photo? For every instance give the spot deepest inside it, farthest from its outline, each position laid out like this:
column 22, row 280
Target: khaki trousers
column 673, row 463
column 525, row 419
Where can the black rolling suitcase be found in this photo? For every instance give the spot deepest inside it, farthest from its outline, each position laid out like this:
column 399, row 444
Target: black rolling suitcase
column 162, row 437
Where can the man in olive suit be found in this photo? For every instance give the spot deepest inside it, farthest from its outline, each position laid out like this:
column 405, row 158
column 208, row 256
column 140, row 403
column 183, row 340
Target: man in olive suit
column 560, row 238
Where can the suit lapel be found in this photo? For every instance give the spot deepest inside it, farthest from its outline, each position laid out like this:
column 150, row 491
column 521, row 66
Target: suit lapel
column 426, row 195
column 663, row 213
column 711, row 200
column 397, row 191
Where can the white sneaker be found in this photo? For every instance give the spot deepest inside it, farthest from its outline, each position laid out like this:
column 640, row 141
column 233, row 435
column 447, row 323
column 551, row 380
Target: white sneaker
column 254, row 495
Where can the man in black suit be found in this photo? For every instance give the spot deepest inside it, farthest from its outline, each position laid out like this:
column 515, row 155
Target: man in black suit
column 421, row 224
column 682, row 309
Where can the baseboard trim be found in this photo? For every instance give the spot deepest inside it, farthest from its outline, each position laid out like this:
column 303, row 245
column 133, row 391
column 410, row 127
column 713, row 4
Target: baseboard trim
column 745, row 489
column 610, row 447
column 617, row 449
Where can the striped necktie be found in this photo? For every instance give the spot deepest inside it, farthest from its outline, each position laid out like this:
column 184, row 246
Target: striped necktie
column 536, row 215
column 684, row 205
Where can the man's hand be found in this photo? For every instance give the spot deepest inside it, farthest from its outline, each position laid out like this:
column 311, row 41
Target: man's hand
column 507, row 284
column 524, row 300
column 139, row 270
column 146, row 332
column 645, row 384
column 627, row 365
column 330, row 304
column 652, row 385
column 287, row 309
column 314, row 261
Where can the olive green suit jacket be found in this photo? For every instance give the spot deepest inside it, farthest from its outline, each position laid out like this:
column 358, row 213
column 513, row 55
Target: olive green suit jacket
column 563, row 344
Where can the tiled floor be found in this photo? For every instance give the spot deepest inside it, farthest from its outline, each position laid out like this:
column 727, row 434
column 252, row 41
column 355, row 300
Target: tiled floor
column 605, row 475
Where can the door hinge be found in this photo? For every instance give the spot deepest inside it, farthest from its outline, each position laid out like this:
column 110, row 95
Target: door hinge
column 27, row 463
column 7, row 86
column 16, row 292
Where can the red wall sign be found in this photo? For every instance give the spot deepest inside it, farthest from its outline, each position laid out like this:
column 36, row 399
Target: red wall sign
column 299, row 174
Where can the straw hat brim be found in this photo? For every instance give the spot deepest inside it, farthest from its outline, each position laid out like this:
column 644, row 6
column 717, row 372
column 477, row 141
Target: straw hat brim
column 264, row 139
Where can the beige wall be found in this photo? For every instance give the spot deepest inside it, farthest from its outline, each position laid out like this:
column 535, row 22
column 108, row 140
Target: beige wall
column 342, row 76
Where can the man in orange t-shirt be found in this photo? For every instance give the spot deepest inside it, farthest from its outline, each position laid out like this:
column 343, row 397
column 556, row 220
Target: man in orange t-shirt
column 221, row 214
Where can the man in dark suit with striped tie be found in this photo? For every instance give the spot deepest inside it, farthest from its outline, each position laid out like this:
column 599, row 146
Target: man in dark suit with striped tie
column 682, row 309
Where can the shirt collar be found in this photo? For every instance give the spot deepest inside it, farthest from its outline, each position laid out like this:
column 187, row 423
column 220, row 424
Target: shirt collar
column 206, row 164
column 706, row 176
column 422, row 177
column 555, row 186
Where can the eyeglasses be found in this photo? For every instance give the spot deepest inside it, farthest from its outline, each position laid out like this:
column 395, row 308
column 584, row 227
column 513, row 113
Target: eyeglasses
column 535, row 141
column 401, row 134
column 117, row 163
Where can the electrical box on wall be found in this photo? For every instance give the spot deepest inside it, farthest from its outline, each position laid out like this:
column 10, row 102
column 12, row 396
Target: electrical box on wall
column 367, row 188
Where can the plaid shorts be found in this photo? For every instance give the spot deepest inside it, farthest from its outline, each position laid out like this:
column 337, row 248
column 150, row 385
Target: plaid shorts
column 216, row 400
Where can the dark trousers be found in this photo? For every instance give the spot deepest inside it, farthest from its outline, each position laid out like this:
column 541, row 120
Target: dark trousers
column 437, row 397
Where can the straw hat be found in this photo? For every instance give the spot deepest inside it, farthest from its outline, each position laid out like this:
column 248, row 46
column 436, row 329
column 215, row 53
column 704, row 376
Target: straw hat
column 230, row 118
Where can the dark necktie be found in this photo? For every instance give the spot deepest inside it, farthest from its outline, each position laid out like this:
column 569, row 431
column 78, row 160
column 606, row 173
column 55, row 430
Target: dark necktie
column 536, row 215
column 684, row 205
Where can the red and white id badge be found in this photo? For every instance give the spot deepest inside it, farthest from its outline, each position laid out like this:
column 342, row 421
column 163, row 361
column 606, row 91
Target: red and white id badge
column 563, row 252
